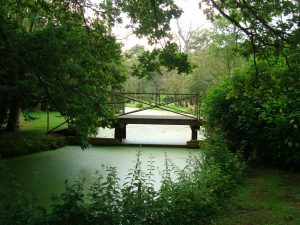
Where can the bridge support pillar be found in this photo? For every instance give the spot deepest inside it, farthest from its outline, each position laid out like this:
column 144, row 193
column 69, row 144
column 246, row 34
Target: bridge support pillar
column 118, row 135
column 123, row 130
column 120, row 131
column 194, row 132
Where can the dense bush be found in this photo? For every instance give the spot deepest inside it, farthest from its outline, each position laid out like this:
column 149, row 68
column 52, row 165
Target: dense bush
column 12, row 144
column 15, row 207
column 200, row 190
column 259, row 112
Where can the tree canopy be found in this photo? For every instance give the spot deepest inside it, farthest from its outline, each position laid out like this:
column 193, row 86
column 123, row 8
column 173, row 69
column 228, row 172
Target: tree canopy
column 268, row 26
column 64, row 53
column 257, row 108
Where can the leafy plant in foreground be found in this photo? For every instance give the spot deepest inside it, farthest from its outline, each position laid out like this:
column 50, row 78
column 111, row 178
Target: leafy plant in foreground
column 193, row 197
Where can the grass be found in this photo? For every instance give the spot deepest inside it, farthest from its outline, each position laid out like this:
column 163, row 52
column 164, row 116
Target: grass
column 40, row 121
column 32, row 137
column 268, row 197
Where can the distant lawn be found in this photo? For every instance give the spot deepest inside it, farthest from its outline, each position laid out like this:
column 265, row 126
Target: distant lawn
column 268, row 197
column 40, row 121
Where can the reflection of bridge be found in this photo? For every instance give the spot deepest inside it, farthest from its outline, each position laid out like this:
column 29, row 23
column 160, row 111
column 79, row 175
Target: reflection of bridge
column 184, row 109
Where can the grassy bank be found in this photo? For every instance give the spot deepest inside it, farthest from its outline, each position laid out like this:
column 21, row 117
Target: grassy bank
column 26, row 142
column 39, row 121
column 32, row 137
column 268, row 197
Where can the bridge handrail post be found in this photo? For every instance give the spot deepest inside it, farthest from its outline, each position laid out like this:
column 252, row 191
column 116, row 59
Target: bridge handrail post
column 197, row 106
column 112, row 100
column 123, row 103
column 158, row 98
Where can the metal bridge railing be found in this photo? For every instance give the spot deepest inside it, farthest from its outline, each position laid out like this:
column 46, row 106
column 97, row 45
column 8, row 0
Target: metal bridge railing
column 172, row 102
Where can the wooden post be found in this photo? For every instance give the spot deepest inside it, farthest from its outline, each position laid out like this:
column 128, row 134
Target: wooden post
column 197, row 106
column 123, row 131
column 48, row 119
column 123, row 104
column 120, row 131
column 112, row 100
column 194, row 132
column 118, row 135
column 159, row 98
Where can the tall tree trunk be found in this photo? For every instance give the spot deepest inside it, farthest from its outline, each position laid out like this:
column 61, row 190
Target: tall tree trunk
column 13, row 124
column 3, row 109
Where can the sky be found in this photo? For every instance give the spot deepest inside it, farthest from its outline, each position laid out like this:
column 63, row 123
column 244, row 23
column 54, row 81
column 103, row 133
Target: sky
column 191, row 19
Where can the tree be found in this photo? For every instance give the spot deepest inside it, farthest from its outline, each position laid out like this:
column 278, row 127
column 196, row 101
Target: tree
column 154, row 79
column 215, row 52
column 271, row 27
column 63, row 52
column 134, row 83
column 258, row 107
column 51, row 51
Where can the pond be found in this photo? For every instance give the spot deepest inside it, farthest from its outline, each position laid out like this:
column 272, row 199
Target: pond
column 44, row 174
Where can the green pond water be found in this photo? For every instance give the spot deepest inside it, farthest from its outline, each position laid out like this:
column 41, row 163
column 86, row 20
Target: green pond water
column 44, row 174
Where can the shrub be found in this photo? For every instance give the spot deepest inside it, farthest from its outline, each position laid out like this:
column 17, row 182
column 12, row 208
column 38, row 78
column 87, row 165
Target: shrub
column 15, row 207
column 260, row 113
column 139, row 105
column 12, row 144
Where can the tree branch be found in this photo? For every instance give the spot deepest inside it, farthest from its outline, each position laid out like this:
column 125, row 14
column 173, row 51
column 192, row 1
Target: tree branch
column 232, row 20
column 255, row 14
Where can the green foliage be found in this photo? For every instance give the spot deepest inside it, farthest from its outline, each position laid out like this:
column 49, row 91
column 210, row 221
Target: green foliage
column 212, row 65
column 139, row 105
column 15, row 208
column 200, row 190
column 215, row 52
column 172, row 59
column 151, row 18
column 28, row 116
column 27, row 142
column 57, row 56
column 269, row 26
column 55, row 53
column 147, row 74
column 258, row 107
column 259, row 113
column 169, row 57
column 37, row 121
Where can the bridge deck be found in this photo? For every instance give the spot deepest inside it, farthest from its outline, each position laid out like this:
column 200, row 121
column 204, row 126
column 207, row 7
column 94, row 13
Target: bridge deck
column 158, row 119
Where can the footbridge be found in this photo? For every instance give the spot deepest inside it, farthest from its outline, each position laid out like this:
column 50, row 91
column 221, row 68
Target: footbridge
column 183, row 110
